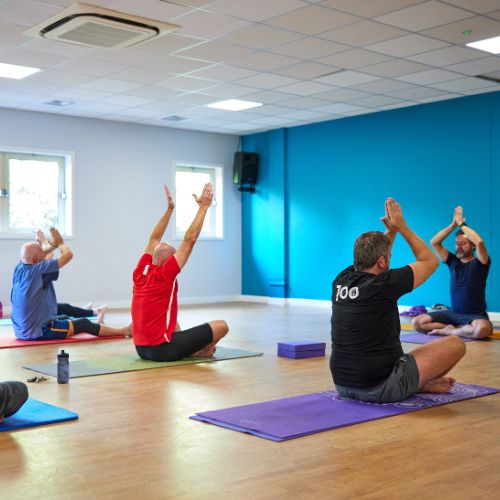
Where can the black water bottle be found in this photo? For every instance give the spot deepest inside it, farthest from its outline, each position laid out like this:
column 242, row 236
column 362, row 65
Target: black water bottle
column 63, row 367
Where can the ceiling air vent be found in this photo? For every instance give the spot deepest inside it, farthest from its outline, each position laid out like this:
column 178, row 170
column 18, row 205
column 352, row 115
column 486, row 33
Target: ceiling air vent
column 93, row 26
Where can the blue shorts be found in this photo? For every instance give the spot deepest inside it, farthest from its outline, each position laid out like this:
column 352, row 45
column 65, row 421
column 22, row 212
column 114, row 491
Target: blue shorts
column 398, row 386
column 57, row 329
column 449, row 317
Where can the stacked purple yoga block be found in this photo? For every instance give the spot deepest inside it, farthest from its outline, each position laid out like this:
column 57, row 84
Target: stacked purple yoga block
column 299, row 349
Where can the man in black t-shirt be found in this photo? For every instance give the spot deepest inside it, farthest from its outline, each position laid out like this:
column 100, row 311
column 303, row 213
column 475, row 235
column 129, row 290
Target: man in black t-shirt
column 367, row 361
column 468, row 274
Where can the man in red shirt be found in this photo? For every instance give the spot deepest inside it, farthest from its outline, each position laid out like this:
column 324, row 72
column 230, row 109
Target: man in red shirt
column 157, row 335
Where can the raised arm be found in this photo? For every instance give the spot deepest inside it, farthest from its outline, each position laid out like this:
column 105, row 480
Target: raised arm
column 437, row 239
column 58, row 242
column 47, row 247
column 161, row 226
column 186, row 247
column 481, row 252
column 426, row 262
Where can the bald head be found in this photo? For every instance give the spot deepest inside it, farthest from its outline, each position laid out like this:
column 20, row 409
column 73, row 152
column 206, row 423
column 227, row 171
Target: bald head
column 32, row 253
column 161, row 253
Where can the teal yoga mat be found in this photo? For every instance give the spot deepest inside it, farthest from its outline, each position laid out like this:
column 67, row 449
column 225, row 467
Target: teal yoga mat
column 128, row 363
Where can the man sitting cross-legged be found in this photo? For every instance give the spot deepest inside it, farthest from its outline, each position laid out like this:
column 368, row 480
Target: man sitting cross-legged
column 34, row 303
column 157, row 334
column 468, row 273
column 367, row 361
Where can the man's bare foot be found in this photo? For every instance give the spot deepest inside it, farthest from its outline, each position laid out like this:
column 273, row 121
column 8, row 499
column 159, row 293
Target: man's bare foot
column 447, row 330
column 439, row 385
column 101, row 311
column 206, row 352
column 127, row 331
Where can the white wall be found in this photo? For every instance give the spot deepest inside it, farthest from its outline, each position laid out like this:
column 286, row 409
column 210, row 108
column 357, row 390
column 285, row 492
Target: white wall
column 120, row 170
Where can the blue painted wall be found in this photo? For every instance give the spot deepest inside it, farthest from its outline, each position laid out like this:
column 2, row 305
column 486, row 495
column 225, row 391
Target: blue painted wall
column 322, row 185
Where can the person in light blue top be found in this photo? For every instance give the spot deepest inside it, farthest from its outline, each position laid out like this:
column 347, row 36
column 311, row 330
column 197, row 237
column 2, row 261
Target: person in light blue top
column 34, row 303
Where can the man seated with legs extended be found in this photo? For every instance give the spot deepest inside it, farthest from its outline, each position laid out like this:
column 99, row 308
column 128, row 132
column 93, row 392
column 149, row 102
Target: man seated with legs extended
column 367, row 361
column 157, row 335
column 468, row 274
column 34, row 303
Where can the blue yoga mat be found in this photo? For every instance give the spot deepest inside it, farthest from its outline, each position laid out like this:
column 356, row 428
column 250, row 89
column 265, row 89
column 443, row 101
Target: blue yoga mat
column 34, row 413
column 290, row 418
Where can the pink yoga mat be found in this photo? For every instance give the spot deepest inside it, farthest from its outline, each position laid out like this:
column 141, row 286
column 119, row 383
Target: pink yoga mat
column 81, row 337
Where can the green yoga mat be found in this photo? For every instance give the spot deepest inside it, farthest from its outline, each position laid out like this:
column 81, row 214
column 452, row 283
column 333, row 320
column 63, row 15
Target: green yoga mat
column 130, row 363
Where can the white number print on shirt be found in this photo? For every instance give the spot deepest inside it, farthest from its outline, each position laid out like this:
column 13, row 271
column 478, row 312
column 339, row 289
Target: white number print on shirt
column 343, row 292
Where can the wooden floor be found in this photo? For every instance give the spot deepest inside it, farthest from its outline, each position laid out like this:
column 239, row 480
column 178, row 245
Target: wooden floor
column 134, row 440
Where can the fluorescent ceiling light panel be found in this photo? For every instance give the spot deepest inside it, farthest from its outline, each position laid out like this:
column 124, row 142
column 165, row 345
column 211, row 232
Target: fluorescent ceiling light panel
column 234, row 105
column 491, row 45
column 15, row 71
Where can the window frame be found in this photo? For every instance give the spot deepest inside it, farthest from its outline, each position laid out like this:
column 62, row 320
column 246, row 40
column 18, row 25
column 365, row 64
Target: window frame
column 66, row 177
column 216, row 210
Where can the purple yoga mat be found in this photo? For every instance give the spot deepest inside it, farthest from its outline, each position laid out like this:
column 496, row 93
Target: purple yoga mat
column 422, row 338
column 290, row 418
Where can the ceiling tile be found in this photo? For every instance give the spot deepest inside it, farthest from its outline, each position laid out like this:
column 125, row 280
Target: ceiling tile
column 267, row 81
column 26, row 12
column 340, row 108
column 480, row 27
column 407, row 45
column 346, row 78
column 256, row 10
column 430, row 76
column 208, row 24
column 477, row 67
column 353, row 59
column 309, row 48
column 363, row 33
column 223, row 73
column 109, row 85
column 126, row 100
column 447, row 56
column 423, row 16
column 417, row 93
column 214, row 51
column 312, row 20
column 375, row 101
column 305, row 70
column 304, row 103
column 264, row 61
column 368, row 8
column 341, row 95
column 383, row 86
column 305, row 88
column 478, row 6
column 186, row 83
column 463, row 84
column 259, row 36
column 395, row 67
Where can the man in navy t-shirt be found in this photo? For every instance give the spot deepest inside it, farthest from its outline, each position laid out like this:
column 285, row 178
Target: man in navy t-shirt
column 367, row 361
column 468, row 273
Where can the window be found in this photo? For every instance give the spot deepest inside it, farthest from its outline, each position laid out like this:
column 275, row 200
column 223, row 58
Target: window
column 35, row 193
column 189, row 179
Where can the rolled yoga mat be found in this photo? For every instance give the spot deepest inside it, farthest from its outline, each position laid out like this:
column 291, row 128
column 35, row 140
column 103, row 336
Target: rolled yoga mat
column 34, row 413
column 117, row 363
column 291, row 418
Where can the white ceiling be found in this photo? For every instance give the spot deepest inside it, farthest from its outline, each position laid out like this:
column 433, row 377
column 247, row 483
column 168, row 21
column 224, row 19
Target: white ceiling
column 306, row 60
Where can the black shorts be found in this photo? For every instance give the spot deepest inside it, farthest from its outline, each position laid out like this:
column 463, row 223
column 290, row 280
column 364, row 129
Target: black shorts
column 182, row 345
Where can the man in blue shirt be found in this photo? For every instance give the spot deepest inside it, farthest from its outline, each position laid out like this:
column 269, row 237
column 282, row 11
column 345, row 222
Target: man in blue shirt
column 467, row 317
column 34, row 303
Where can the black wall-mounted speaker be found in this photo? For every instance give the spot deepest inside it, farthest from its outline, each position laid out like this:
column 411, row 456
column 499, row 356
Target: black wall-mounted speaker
column 245, row 168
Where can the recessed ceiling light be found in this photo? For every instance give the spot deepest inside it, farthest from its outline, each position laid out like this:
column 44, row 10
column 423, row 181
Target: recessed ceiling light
column 491, row 45
column 15, row 71
column 234, row 105
column 59, row 103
